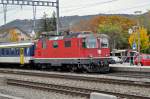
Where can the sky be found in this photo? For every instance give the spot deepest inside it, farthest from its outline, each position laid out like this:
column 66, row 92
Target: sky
column 78, row 7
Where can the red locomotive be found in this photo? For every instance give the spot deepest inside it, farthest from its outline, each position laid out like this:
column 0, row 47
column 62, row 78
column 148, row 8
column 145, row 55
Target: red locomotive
column 76, row 51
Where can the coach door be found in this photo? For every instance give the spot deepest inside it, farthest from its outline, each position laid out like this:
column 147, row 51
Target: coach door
column 22, row 56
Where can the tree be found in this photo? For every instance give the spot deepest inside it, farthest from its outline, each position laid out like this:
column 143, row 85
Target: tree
column 82, row 25
column 119, row 25
column 53, row 22
column 144, row 39
column 44, row 23
column 13, row 35
column 47, row 24
column 114, row 32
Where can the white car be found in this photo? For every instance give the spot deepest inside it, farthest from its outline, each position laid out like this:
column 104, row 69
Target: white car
column 116, row 59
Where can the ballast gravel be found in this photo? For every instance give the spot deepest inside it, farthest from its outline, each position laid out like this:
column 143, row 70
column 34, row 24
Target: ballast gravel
column 28, row 93
column 84, row 84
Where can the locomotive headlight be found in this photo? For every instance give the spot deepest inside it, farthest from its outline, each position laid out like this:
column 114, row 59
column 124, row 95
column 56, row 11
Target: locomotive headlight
column 99, row 51
column 107, row 55
column 90, row 56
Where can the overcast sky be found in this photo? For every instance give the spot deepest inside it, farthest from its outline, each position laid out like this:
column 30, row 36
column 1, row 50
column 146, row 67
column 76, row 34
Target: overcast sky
column 79, row 7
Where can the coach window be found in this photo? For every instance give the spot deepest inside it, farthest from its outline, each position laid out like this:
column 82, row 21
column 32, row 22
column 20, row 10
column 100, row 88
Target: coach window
column 0, row 52
column 12, row 51
column 55, row 44
column 7, row 51
column 3, row 51
column 68, row 43
column 17, row 51
column 28, row 51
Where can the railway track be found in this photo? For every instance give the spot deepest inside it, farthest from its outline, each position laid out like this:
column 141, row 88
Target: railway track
column 119, row 81
column 83, row 92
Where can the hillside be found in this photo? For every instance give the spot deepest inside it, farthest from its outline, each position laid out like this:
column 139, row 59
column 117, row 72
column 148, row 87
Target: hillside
column 27, row 25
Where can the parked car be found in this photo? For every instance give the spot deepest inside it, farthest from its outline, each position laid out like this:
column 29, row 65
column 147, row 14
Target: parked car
column 116, row 59
column 142, row 60
column 111, row 61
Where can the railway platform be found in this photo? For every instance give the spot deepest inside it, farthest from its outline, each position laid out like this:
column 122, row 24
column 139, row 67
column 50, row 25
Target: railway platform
column 95, row 95
column 129, row 68
column 4, row 96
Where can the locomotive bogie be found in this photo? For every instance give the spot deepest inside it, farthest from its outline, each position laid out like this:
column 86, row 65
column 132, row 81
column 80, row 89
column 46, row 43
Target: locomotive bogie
column 88, row 64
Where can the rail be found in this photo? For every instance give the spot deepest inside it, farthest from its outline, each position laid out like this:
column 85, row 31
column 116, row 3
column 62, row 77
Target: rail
column 84, row 92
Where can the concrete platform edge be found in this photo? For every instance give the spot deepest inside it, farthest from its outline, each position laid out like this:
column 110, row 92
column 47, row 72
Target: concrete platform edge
column 130, row 69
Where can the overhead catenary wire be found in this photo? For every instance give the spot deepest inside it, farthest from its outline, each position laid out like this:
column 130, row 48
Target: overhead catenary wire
column 110, row 11
column 5, row 12
column 87, row 6
column 95, row 3
column 129, row 8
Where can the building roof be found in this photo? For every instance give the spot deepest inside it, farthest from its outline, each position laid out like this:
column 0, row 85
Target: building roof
column 4, row 29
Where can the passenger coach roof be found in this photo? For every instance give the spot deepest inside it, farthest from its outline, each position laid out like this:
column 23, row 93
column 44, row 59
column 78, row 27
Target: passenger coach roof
column 16, row 44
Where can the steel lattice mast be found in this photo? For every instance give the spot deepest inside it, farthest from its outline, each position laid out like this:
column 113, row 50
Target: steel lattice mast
column 31, row 3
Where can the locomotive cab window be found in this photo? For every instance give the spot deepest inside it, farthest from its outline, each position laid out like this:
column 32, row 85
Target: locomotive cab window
column 89, row 42
column 84, row 43
column 67, row 43
column 104, row 43
column 55, row 44
column 44, row 43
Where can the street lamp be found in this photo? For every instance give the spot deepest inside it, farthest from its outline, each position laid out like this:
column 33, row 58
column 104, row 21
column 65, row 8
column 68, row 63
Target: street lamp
column 138, row 25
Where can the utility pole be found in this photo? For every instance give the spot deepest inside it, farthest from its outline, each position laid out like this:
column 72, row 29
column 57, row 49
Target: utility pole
column 5, row 12
column 58, row 22
column 31, row 3
column 34, row 17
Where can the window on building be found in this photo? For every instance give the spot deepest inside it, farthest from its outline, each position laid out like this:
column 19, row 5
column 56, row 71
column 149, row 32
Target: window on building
column 55, row 44
column 68, row 43
column 22, row 39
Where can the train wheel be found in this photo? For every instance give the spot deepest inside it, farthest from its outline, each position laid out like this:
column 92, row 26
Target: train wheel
column 88, row 68
column 73, row 68
column 84, row 71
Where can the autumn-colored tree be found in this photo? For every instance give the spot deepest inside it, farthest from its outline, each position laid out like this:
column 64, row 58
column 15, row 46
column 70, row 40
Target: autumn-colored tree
column 93, row 23
column 13, row 35
column 83, row 25
column 144, row 39
column 105, row 24
column 114, row 32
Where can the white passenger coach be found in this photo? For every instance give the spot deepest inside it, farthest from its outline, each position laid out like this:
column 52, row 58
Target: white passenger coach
column 17, row 53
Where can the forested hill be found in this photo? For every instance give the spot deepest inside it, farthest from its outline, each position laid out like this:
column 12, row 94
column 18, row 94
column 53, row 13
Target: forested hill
column 66, row 21
column 69, row 20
